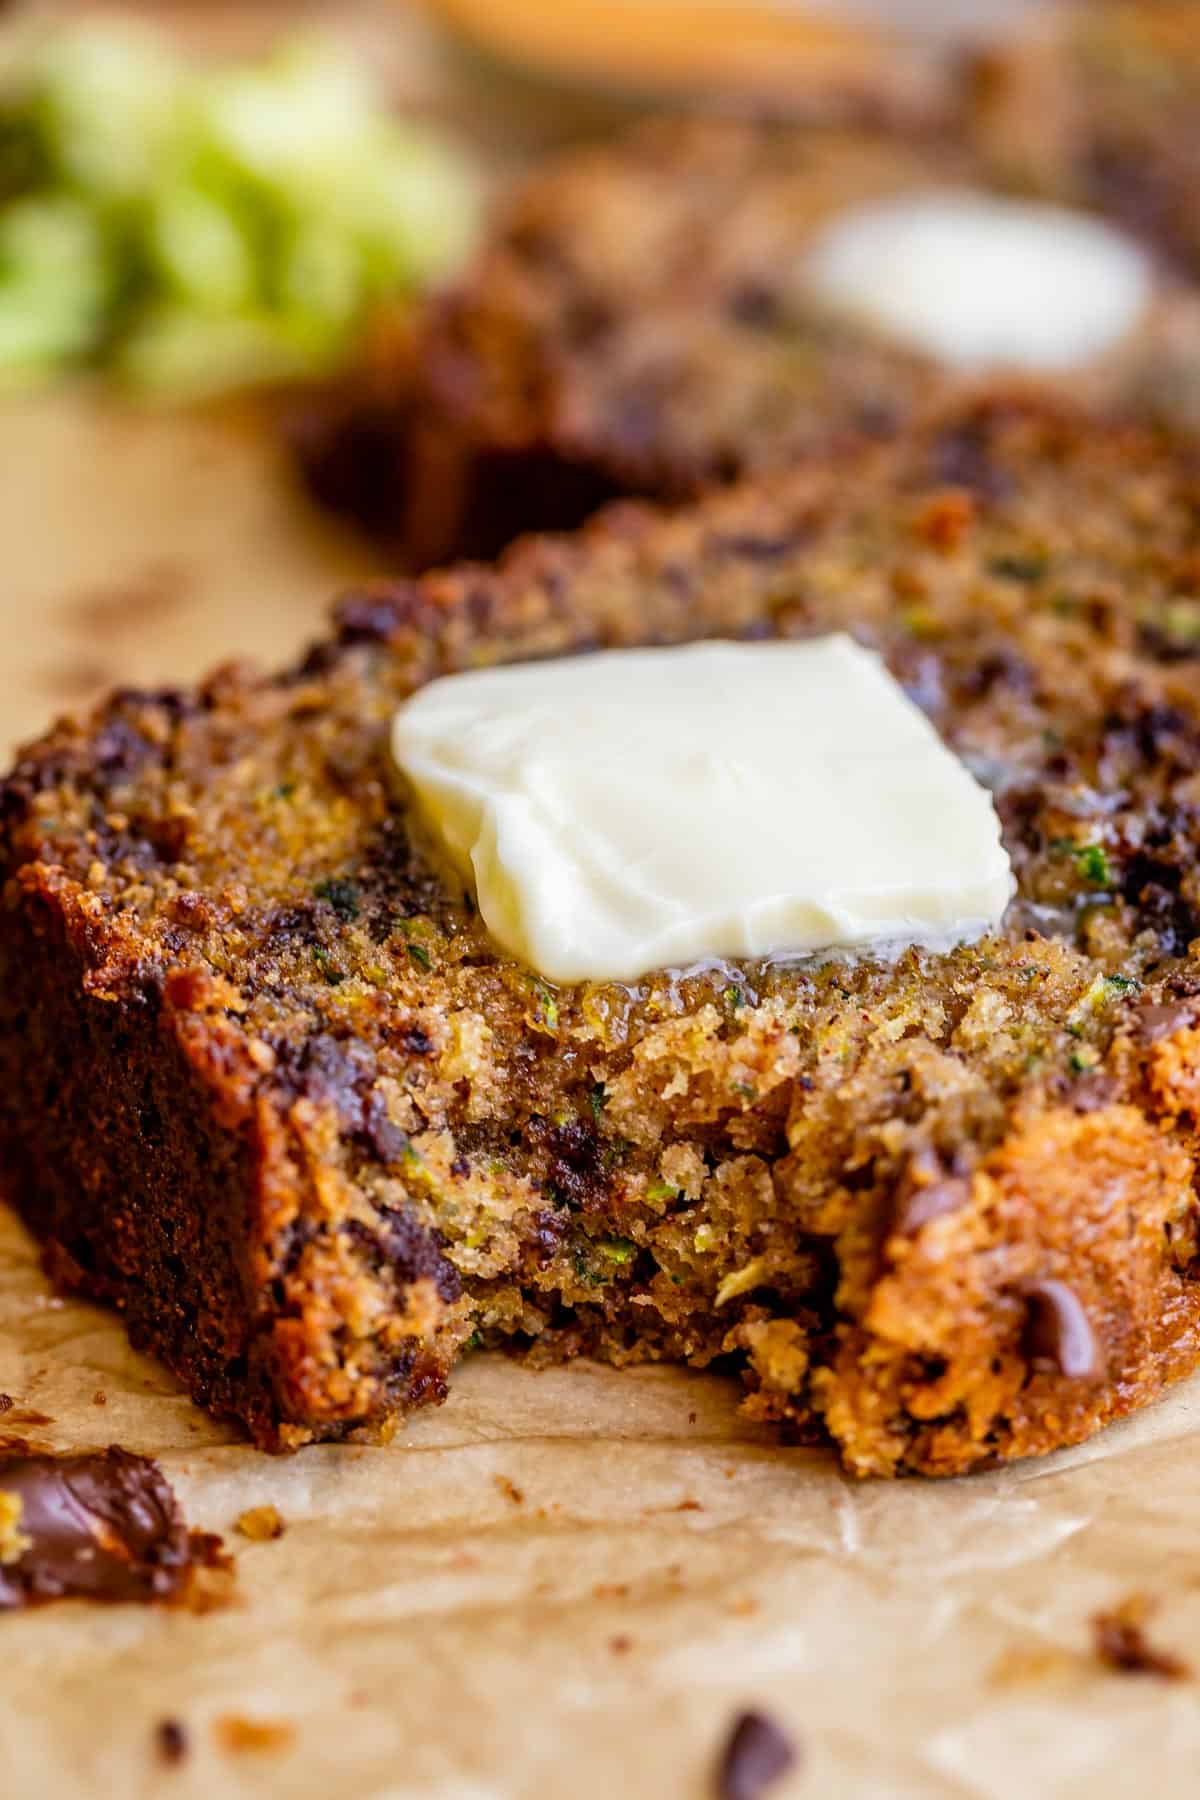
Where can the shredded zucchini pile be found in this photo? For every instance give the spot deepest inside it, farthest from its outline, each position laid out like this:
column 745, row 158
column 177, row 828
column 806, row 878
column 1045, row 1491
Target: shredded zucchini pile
column 195, row 227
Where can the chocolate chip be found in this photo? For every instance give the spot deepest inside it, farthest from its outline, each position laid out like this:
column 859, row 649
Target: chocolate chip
column 172, row 1739
column 754, row 303
column 927, row 1191
column 1157, row 1022
column 370, row 617
column 756, row 1756
column 1092, row 1093
column 1058, row 1331
column 106, row 1526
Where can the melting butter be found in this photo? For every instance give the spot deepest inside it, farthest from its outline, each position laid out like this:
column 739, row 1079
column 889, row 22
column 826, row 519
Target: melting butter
column 644, row 809
column 977, row 281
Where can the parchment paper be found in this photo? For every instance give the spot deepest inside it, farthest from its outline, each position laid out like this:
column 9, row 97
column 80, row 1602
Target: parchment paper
column 567, row 1583
column 562, row 1583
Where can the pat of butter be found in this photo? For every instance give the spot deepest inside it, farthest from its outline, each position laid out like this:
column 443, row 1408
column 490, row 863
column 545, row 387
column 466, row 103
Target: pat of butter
column 643, row 809
column 977, row 281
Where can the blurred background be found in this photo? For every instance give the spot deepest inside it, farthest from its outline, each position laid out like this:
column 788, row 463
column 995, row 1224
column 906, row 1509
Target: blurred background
column 212, row 212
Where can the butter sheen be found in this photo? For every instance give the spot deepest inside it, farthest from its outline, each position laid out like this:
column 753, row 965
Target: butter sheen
column 644, row 809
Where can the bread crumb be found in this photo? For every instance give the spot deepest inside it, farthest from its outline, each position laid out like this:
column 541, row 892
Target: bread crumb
column 1024, row 1663
column 238, row 1734
column 1120, row 1641
column 261, row 1523
column 171, row 1737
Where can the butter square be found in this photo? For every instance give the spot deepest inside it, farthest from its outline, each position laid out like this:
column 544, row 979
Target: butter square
column 642, row 809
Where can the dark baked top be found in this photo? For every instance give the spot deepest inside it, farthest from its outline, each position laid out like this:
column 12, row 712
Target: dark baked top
column 643, row 305
column 240, row 853
column 644, row 310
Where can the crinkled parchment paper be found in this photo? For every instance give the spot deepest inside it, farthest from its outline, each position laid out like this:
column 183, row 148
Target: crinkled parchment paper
column 562, row 1583
column 567, row 1583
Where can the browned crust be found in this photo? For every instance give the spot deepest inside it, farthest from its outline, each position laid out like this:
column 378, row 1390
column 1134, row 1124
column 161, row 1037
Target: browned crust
column 162, row 1179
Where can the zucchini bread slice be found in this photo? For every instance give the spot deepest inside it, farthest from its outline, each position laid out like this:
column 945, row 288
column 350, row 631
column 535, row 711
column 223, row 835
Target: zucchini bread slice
column 644, row 320
column 270, row 1090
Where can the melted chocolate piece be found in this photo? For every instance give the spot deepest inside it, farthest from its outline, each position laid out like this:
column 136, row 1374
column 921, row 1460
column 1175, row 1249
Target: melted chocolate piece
column 1059, row 1331
column 757, row 1755
column 104, row 1526
column 927, row 1190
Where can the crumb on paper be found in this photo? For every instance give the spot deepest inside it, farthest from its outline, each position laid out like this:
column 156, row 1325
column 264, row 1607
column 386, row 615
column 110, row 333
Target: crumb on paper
column 171, row 1738
column 77, row 678
column 152, row 593
column 757, row 1754
column 99, row 1398
column 691, row 1418
column 261, row 1523
column 620, row 1645
column 13, row 1541
column 684, row 1506
column 213, row 1580
column 1120, row 1641
column 510, row 1490
column 1021, row 1664
column 239, row 1735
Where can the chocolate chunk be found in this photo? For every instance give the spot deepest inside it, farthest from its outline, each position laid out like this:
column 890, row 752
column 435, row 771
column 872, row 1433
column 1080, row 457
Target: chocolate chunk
column 927, row 1191
column 757, row 1755
column 370, row 617
column 172, row 1740
column 101, row 1527
column 1157, row 1022
column 1092, row 1093
column 1121, row 1642
column 1059, row 1331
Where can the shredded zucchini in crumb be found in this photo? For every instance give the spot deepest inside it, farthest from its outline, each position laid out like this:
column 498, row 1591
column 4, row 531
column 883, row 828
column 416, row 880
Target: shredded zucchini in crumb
column 201, row 227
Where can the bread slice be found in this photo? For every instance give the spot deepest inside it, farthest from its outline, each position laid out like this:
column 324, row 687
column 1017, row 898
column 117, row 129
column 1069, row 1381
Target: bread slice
column 1099, row 105
column 641, row 321
column 269, row 1089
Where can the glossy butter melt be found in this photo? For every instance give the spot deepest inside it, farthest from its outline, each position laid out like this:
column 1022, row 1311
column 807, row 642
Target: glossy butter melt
column 640, row 809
